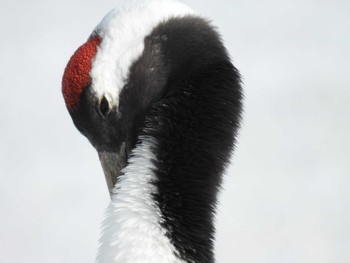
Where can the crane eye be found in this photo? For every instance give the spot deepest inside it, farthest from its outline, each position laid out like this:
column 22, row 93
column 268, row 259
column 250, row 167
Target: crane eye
column 104, row 107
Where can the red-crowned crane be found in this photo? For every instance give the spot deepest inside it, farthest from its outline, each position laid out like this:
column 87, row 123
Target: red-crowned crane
column 154, row 91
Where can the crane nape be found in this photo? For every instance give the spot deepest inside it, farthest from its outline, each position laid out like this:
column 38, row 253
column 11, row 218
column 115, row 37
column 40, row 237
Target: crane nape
column 154, row 91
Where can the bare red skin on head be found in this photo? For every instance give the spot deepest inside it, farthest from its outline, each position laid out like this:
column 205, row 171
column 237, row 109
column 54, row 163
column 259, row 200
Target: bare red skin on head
column 76, row 75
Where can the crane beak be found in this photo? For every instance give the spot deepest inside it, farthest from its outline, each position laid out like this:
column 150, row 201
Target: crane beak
column 112, row 165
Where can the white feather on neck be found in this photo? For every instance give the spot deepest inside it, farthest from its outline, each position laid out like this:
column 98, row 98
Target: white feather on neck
column 132, row 231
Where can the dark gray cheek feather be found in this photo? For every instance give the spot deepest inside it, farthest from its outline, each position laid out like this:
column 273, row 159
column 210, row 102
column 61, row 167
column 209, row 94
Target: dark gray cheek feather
column 107, row 133
column 184, row 92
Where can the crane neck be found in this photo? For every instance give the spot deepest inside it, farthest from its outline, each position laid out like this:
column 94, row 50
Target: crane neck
column 132, row 230
column 163, row 204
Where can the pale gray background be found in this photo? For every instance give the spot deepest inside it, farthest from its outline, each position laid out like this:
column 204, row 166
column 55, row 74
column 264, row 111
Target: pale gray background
column 286, row 196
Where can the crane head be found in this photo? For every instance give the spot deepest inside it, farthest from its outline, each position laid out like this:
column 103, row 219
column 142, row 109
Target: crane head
column 93, row 115
column 111, row 81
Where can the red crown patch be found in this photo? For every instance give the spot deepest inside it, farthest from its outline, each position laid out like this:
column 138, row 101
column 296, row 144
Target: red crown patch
column 76, row 75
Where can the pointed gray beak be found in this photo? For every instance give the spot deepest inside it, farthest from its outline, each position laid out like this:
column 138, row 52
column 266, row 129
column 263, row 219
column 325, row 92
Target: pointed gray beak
column 112, row 165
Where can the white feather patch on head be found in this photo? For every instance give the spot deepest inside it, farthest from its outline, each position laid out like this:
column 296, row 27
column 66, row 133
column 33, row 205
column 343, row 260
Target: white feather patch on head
column 132, row 231
column 123, row 31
